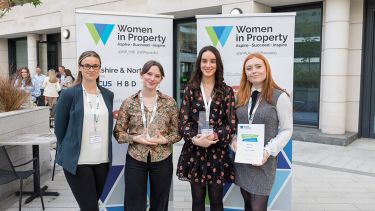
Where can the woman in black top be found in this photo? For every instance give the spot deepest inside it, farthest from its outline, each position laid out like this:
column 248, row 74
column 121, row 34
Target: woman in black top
column 204, row 159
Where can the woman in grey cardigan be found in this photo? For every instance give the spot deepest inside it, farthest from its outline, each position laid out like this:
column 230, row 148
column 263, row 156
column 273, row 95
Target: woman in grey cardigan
column 261, row 101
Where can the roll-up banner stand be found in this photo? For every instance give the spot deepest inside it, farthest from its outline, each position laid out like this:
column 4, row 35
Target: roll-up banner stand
column 124, row 42
column 235, row 36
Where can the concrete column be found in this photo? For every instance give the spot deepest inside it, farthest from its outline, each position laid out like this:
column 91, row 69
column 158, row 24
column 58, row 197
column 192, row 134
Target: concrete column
column 334, row 66
column 32, row 40
column 68, row 46
column 4, row 64
column 43, row 63
column 354, row 65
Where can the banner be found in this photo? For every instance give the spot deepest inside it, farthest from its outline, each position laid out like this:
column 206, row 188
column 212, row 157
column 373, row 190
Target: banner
column 235, row 37
column 125, row 42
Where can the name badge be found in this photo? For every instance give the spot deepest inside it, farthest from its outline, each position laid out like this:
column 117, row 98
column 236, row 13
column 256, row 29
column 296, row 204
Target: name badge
column 95, row 137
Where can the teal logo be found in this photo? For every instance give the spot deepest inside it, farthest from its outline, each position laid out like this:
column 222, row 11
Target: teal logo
column 219, row 34
column 250, row 137
column 100, row 31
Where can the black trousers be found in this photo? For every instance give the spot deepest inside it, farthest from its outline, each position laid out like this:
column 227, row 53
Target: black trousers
column 40, row 100
column 254, row 202
column 87, row 185
column 136, row 175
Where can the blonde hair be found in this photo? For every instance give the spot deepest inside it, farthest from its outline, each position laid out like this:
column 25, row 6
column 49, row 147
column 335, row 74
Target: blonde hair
column 52, row 76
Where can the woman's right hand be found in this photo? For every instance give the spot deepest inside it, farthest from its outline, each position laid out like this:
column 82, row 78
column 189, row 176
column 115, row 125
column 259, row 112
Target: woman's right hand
column 142, row 139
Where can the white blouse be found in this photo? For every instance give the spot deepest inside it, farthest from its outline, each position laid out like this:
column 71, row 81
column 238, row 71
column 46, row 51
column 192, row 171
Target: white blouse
column 284, row 110
column 94, row 153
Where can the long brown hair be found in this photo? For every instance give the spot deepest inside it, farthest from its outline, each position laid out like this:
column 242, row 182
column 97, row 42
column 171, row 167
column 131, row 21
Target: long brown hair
column 20, row 79
column 244, row 92
column 83, row 56
column 196, row 76
column 69, row 73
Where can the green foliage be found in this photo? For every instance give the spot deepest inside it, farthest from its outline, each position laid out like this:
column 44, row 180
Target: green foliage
column 6, row 5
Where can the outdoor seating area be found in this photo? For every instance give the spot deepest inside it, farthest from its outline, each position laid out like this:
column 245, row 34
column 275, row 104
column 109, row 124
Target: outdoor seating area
column 8, row 173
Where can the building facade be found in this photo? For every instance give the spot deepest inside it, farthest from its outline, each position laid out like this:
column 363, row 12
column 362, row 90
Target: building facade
column 333, row 65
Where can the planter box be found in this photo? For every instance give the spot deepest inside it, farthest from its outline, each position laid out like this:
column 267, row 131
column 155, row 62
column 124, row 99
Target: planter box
column 35, row 120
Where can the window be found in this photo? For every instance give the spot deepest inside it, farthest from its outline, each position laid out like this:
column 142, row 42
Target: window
column 186, row 53
column 17, row 54
column 307, row 57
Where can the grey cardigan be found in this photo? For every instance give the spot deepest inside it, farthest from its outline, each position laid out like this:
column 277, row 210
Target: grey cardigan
column 259, row 179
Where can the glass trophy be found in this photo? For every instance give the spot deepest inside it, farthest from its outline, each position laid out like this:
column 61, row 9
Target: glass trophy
column 150, row 128
column 204, row 126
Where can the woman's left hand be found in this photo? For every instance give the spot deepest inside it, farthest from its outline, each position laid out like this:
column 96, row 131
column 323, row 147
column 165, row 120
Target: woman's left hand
column 159, row 139
column 265, row 158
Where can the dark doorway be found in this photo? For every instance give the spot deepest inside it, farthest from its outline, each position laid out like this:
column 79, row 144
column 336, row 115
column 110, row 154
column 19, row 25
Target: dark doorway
column 367, row 103
column 53, row 46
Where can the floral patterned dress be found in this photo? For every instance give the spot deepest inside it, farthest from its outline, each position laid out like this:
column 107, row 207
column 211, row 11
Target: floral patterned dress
column 213, row 164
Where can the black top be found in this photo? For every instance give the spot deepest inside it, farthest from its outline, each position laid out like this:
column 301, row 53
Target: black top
column 212, row 164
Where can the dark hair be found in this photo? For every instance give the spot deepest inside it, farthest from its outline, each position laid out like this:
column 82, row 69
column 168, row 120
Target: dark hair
column 63, row 67
column 196, row 76
column 69, row 73
column 147, row 66
column 83, row 56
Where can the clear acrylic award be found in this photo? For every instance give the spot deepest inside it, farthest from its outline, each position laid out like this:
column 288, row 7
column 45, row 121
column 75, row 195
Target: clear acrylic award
column 204, row 126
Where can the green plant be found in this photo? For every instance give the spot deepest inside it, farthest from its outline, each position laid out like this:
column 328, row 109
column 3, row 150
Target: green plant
column 11, row 98
column 6, row 5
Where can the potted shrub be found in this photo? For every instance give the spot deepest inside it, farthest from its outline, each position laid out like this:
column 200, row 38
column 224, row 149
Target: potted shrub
column 11, row 98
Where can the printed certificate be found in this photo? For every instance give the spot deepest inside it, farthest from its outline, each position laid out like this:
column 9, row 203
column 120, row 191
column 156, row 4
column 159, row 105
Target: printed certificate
column 250, row 143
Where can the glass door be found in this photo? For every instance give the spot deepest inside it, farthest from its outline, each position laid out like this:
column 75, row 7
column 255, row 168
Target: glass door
column 186, row 53
column 307, row 54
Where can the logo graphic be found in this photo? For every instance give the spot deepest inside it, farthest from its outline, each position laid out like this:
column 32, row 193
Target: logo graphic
column 219, row 34
column 100, row 31
column 250, row 137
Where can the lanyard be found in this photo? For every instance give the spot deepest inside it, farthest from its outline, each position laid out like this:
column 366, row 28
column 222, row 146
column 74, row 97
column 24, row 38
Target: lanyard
column 207, row 105
column 96, row 114
column 251, row 117
column 143, row 110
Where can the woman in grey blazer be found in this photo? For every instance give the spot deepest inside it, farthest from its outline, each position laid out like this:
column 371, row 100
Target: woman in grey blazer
column 261, row 101
column 83, row 127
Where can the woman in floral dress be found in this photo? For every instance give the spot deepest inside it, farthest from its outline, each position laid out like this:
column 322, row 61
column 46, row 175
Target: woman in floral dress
column 207, row 124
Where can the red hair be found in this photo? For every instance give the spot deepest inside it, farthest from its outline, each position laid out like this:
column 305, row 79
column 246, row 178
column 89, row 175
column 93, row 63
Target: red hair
column 244, row 92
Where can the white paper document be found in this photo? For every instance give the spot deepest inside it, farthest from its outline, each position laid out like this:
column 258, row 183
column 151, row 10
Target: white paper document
column 250, row 143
